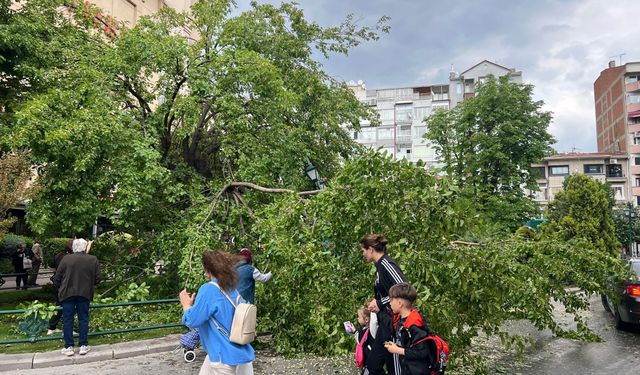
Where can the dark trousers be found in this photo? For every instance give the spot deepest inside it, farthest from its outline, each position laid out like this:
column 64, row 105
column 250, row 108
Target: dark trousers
column 379, row 356
column 21, row 277
column 53, row 322
column 70, row 307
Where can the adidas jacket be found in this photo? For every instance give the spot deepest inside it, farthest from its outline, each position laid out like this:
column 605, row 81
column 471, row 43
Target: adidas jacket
column 388, row 274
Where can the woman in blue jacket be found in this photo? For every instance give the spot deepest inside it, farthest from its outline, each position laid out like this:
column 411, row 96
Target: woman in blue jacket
column 223, row 357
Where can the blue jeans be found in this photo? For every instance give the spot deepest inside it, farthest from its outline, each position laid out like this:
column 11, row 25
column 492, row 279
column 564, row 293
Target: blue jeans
column 70, row 307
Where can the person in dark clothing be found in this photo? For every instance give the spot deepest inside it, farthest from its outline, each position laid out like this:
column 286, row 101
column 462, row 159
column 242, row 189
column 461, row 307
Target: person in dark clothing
column 76, row 277
column 248, row 276
column 411, row 332
column 54, row 263
column 18, row 260
column 388, row 273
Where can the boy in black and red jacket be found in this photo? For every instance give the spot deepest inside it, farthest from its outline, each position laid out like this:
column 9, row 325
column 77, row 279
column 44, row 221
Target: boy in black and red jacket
column 411, row 332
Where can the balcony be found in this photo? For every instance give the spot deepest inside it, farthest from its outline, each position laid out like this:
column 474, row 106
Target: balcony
column 404, row 138
column 632, row 107
column 634, row 169
column 634, row 86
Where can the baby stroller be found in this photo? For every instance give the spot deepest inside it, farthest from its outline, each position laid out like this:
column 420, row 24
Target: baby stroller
column 189, row 342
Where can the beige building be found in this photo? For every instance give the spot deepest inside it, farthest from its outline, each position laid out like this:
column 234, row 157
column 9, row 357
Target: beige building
column 604, row 167
column 129, row 11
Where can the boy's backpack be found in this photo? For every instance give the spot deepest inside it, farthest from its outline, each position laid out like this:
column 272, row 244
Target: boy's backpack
column 360, row 349
column 440, row 353
column 243, row 326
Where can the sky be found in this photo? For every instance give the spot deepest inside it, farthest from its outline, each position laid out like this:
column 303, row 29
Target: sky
column 561, row 46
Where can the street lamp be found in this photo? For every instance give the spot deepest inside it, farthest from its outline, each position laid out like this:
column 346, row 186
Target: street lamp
column 314, row 176
column 630, row 213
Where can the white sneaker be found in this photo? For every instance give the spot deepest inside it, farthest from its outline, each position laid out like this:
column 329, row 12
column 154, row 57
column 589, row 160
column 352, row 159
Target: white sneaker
column 52, row 331
column 84, row 349
column 67, row 351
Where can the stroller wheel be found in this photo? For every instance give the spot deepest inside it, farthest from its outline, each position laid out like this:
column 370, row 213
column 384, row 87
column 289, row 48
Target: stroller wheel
column 189, row 356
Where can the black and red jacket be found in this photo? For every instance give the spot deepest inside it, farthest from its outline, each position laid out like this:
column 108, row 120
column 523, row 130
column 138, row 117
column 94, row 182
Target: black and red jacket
column 411, row 334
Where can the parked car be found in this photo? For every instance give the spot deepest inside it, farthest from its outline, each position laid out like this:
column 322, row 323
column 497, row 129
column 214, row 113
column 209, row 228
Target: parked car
column 626, row 307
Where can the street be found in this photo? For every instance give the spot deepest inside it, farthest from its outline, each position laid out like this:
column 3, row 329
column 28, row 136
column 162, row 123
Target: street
column 618, row 354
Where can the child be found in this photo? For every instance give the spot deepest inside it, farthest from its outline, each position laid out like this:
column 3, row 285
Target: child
column 364, row 318
column 410, row 332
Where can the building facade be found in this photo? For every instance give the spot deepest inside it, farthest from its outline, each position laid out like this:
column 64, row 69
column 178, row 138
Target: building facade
column 129, row 11
column 617, row 108
column 402, row 110
column 605, row 167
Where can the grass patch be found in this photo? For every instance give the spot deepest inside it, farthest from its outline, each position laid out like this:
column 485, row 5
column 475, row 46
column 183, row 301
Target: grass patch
column 100, row 319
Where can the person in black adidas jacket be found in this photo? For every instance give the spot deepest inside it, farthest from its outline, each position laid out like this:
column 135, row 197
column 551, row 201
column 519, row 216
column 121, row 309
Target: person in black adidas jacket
column 388, row 274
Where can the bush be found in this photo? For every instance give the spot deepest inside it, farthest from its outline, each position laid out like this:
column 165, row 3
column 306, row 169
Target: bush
column 9, row 241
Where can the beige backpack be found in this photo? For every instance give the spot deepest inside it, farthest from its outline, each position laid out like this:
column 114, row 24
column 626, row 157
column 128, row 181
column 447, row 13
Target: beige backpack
column 243, row 326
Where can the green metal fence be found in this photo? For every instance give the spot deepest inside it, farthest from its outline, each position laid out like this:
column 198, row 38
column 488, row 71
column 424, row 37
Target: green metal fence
column 35, row 336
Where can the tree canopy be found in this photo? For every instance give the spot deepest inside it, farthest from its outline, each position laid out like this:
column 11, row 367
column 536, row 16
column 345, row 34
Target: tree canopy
column 584, row 209
column 146, row 121
column 488, row 142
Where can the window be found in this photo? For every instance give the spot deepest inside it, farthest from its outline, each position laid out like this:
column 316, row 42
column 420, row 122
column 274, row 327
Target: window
column 614, row 170
column 559, row 170
column 440, row 92
column 636, row 161
column 419, row 131
column 593, row 169
column 631, row 79
column 458, row 88
column 386, row 114
column 537, row 172
column 385, row 133
column 404, row 113
column 617, row 192
column 636, row 139
column 367, row 135
column 355, row 135
column 633, row 98
column 421, row 113
column 468, row 85
column 637, row 182
column 634, row 120
column 638, row 200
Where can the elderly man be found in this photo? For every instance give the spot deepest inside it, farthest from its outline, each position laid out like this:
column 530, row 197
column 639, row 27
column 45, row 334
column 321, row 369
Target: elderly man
column 76, row 277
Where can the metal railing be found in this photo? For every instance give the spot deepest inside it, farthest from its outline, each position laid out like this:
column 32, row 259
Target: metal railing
column 37, row 338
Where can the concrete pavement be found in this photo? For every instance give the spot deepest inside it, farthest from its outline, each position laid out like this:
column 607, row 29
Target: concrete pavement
column 10, row 363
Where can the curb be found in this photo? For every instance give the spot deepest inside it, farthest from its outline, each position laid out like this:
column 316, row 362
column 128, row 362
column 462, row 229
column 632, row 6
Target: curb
column 99, row 353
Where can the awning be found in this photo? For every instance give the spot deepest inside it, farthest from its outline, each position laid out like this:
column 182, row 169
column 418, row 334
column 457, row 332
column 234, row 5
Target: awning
column 634, row 114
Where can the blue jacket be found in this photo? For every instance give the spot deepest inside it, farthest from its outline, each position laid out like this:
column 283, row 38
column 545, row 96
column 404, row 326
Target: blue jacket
column 246, row 283
column 210, row 302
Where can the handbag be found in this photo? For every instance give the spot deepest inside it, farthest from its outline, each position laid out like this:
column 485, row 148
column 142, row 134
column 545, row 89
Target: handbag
column 26, row 263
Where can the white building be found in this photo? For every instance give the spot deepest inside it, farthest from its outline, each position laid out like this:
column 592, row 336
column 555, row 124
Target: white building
column 403, row 109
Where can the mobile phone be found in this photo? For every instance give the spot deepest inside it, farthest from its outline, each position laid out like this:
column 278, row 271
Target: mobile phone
column 349, row 328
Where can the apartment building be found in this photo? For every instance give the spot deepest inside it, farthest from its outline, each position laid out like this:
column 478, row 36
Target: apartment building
column 403, row 109
column 617, row 107
column 612, row 168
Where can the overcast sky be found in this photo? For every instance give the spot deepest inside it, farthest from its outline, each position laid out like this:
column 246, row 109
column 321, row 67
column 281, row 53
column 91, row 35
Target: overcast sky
column 561, row 46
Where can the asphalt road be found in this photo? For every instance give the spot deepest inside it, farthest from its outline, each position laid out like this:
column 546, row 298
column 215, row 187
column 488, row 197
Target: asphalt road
column 618, row 354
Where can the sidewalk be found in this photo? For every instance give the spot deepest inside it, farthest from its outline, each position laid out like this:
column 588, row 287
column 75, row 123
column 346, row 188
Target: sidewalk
column 13, row 362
